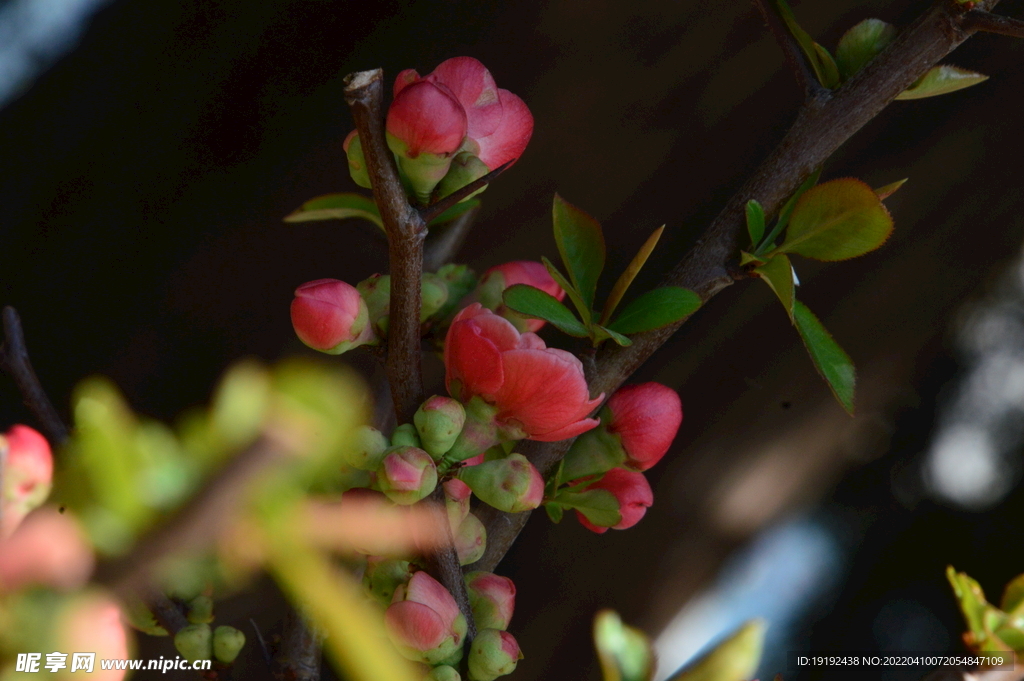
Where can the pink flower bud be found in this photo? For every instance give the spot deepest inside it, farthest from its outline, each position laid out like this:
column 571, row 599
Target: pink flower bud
column 407, row 475
column 456, row 495
column 633, row 493
column 493, row 653
column 27, row 475
column 439, row 420
column 470, row 540
column 48, row 549
column 330, row 316
column 539, row 393
column 492, row 598
column 511, row 484
column 92, row 622
column 424, row 621
column 646, row 418
column 497, row 279
column 426, row 118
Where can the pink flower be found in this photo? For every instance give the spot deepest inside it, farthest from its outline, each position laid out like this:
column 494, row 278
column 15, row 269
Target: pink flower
column 425, row 117
column 48, row 549
column 498, row 123
column 540, row 393
column 633, row 493
column 424, row 621
column 495, row 280
column 646, row 418
column 330, row 316
column 28, row 475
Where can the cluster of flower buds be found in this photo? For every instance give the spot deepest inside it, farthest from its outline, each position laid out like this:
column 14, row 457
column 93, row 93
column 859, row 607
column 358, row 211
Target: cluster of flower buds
column 448, row 128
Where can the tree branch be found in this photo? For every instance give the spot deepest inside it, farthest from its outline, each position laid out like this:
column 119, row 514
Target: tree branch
column 815, row 134
column 15, row 362
column 298, row 658
column 433, row 210
column 791, row 50
column 405, row 229
column 980, row 20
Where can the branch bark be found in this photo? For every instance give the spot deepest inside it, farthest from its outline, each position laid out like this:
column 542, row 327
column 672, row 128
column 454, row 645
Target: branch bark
column 980, row 20
column 821, row 126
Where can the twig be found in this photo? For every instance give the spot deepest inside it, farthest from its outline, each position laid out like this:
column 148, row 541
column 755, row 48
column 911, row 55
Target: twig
column 299, row 656
column 443, row 247
column 15, row 361
column 815, row 134
column 980, row 20
column 263, row 643
column 433, row 210
column 444, row 565
column 405, row 229
column 791, row 50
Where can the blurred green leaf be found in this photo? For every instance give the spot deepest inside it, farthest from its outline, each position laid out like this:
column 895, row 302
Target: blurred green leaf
column 624, row 652
column 655, row 309
column 1013, row 596
column 532, row 302
column 240, row 403
column 971, row 599
column 837, row 220
column 861, row 43
column 890, row 189
column 581, row 245
column 778, row 274
column 585, row 312
column 828, row 71
column 941, row 79
column 734, row 659
column 829, row 359
column 755, row 222
column 337, row 207
column 627, row 277
column 598, row 505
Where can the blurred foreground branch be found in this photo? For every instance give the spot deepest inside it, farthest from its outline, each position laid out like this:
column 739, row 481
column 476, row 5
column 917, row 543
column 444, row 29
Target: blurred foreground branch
column 15, row 362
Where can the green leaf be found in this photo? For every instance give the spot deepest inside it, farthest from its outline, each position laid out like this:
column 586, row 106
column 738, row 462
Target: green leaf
column 599, row 506
column 581, row 245
column 1013, row 596
column 786, row 212
column 614, row 335
column 532, row 302
column 778, row 274
column 861, row 43
column 337, row 207
column 734, row 659
column 554, row 511
column 655, row 309
column 747, row 259
column 822, row 63
column 755, row 221
column 624, row 652
column 837, row 220
column 828, row 71
column 888, row 190
column 627, row 277
column 829, row 359
column 455, row 211
column 585, row 312
column 971, row 599
column 941, row 79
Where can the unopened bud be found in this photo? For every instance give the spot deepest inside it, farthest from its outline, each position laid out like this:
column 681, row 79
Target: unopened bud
column 406, row 475
column 493, row 653
column 383, row 576
column 465, row 168
column 356, row 162
column 376, row 292
column 439, row 421
column 405, row 435
column 460, row 280
column 456, row 497
column 27, row 475
column 200, row 610
column 443, row 673
column 227, row 643
column 492, row 598
column 424, row 622
column 195, row 642
column 366, row 448
column 470, row 540
column 512, row 484
column 330, row 316
column 433, row 295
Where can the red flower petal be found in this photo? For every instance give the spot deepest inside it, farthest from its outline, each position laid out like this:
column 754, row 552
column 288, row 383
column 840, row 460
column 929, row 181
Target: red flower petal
column 474, row 87
column 512, row 135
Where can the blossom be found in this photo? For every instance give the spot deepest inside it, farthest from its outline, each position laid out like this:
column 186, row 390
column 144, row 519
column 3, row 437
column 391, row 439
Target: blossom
column 538, row 392
column 632, row 492
column 646, row 418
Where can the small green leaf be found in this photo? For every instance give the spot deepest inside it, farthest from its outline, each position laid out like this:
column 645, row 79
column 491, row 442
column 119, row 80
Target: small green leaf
column 786, row 212
column 599, row 506
column 837, row 220
column 532, row 302
column 755, row 221
column 554, row 511
column 627, row 277
column 941, row 79
column 624, row 652
column 828, row 71
column 581, row 245
column 890, row 189
column 655, row 309
column 821, row 61
column 603, row 332
column 337, row 207
column 455, row 211
column 778, row 274
column 834, row 365
column 585, row 312
column 1013, row 596
column 971, row 599
column 747, row 259
column 734, row 659
column 860, row 44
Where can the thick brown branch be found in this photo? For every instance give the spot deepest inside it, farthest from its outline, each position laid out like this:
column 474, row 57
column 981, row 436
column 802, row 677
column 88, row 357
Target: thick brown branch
column 817, row 132
column 405, row 230
column 980, row 20
column 14, row 360
column 795, row 57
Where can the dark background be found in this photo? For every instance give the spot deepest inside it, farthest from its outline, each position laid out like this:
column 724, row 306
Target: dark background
column 144, row 176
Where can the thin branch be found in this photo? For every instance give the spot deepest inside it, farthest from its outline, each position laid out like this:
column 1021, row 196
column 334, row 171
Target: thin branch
column 444, row 565
column 15, row 362
column 817, row 132
column 433, row 210
column 791, row 50
column 405, row 229
column 980, row 20
column 299, row 656
column 441, row 249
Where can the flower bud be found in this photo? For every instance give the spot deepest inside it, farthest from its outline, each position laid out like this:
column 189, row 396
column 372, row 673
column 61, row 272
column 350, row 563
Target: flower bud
column 376, row 291
column 456, row 498
column 330, row 316
column 93, row 621
column 356, row 162
column 384, row 575
column 405, row 435
column 439, row 421
column 443, row 673
column 646, row 418
column 511, row 484
column 195, row 642
column 470, row 540
column 493, row 653
column 27, row 475
column 424, row 621
column 227, row 643
column 407, row 475
column 366, row 449
column 632, row 492
column 465, row 168
column 460, row 281
column 495, row 280
column 433, row 295
column 48, row 549
column 200, row 610
column 492, row 598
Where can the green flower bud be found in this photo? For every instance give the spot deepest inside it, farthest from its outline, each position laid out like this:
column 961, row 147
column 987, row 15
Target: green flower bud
column 406, row 475
column 443, row 673
column 356, row 162
column 227, row 643
column 376, row 293
column 439, row 421
column 433, row 295
column 511, row 484
column 494, row 653
column 366, row 449
column 195, row 642
column 461, row 281
column 405, row 436
column 465, row 168
column 200, row 610
column 470, row 540
column 383, row 576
